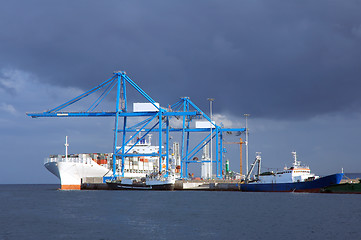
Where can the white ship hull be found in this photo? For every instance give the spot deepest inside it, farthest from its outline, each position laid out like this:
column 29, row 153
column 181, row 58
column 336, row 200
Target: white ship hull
column 72, row 174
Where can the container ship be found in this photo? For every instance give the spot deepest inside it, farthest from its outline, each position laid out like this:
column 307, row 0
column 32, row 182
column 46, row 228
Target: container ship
column 75, row 169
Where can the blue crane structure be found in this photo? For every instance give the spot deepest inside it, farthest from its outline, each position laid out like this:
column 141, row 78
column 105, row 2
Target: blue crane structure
column 157, row 121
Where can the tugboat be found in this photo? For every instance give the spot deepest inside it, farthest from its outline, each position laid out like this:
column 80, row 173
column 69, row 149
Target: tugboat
column 154, row 181
column 294, row 179
column 159, row 181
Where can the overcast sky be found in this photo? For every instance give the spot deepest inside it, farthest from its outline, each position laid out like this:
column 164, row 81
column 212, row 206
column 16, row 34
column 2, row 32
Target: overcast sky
column 295, row 66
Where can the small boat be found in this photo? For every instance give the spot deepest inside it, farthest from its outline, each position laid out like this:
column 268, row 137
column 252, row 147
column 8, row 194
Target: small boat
column 294, row 179
column 343, row 188
column 128, row 184
column 161, row 181
column 154, row 181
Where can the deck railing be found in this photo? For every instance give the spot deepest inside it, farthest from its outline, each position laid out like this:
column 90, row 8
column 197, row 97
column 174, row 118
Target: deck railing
column 86, row 160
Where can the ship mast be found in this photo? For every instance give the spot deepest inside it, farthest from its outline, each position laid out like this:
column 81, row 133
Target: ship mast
column 295, row 162
column 66, row 148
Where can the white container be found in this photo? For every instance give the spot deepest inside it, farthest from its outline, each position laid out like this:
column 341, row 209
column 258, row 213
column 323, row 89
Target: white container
column 145, row 107
column 204, row 124
column 146, row 165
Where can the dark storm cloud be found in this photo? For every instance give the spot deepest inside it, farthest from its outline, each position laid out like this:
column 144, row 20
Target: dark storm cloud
column 289, row 59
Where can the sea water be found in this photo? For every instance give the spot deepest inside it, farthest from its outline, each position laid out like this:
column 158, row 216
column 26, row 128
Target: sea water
column 43, row 212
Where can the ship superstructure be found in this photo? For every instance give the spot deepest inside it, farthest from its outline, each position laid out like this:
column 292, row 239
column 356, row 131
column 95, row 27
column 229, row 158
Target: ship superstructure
column 296, row 173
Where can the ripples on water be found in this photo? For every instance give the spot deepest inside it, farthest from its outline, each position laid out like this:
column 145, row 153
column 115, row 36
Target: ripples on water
column 42, row 212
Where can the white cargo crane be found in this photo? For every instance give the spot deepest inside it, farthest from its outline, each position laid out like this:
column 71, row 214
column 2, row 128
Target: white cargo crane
column 257, row 160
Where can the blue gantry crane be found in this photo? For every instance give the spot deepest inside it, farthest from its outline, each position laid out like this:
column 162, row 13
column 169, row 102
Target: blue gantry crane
column 155, row 120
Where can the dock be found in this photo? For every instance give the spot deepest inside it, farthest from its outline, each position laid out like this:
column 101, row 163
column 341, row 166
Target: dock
column 180, row 185
column 190, row 185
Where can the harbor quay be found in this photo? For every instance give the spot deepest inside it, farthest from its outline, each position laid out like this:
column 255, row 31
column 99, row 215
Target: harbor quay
column 180, row 185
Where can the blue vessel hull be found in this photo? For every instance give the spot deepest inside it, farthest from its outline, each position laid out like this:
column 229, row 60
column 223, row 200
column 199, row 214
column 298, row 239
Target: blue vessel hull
column 311, row 186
